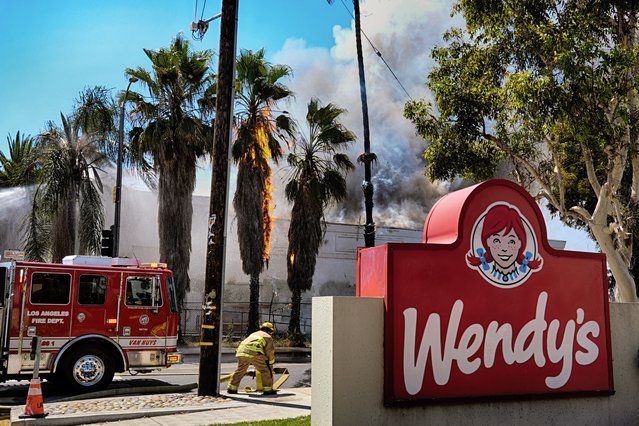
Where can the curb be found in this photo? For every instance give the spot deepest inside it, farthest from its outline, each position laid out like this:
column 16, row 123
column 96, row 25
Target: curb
column 147, row 390
column 222, row 409
column 110, row 416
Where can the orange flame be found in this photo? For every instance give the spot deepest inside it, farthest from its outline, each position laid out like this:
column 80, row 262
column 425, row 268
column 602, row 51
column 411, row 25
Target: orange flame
column 261, row 136
column 267, row 212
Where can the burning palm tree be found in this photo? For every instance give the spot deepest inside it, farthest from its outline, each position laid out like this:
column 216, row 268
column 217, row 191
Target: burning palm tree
column 259, row 134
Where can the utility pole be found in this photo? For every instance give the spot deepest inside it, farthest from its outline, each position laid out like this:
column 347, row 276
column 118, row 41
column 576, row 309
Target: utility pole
column 117, row 194
column 367, row 157
column 210, row 335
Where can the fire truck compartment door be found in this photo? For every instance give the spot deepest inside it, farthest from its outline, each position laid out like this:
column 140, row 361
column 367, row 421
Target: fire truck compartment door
column 95, row 304
column 47, row 310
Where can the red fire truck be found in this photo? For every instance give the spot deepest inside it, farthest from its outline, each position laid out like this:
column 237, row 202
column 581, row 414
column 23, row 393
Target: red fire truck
column 95, row 316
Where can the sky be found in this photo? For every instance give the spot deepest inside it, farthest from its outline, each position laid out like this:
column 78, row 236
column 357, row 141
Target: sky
column 51, row 50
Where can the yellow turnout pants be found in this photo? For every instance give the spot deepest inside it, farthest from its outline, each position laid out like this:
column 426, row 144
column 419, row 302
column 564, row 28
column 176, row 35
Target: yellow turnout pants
column 260, row 364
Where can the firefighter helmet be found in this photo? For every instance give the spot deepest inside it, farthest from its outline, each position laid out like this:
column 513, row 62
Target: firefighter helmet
column 268, row 326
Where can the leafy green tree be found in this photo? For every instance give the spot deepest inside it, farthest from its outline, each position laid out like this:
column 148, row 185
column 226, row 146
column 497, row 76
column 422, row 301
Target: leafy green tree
column 317, row 180
column 259, row 133
column 551, row 87
column 173, row 133
column 21, row 167
column 67, row 215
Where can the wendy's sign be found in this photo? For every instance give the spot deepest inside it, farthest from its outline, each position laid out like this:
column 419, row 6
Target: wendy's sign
column 485, row 307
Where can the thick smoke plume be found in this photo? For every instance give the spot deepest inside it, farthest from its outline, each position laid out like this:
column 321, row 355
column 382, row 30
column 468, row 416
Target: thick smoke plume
column 404, row 31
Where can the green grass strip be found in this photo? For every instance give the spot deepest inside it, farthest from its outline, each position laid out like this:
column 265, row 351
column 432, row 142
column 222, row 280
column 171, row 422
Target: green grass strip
column 296, row 421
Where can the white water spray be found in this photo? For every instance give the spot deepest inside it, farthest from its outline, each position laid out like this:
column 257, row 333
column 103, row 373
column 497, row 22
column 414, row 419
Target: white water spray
column 15, row 205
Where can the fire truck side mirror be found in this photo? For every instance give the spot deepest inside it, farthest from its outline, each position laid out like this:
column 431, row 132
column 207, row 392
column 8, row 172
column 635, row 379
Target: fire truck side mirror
column 107, row 243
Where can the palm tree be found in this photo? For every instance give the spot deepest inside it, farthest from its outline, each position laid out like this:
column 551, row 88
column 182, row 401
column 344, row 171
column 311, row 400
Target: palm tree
column 21, row 167
column 367, row 157
column 171, row 136
column 67, row 215
column 317, row 180
column 259, row 134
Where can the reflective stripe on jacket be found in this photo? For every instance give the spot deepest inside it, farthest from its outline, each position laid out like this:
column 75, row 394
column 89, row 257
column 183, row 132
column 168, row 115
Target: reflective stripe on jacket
column 258, row 343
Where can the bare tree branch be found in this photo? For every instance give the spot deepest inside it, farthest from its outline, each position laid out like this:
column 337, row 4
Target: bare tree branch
column 590, row 169
column 530, row 168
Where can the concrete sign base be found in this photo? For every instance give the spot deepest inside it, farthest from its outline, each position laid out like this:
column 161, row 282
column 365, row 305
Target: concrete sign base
column 348, row 377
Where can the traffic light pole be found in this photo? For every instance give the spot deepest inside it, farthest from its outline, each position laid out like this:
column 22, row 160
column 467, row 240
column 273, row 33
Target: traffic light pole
column 210, row 335
column 117, row 194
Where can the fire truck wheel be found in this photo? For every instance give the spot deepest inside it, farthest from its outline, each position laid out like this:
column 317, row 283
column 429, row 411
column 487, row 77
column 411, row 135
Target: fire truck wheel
column 86, row 369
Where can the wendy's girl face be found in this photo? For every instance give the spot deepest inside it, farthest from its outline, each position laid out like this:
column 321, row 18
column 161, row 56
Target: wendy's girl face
column 504, row 247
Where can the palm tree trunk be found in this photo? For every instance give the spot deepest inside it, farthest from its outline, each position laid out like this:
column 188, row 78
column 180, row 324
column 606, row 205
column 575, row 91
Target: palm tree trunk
column 294, row 323
column 254, row 304
column 175, row 216
column 64, row 226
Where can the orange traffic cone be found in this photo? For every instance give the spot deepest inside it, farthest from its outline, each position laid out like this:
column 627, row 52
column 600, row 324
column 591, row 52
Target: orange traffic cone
column 35, row 404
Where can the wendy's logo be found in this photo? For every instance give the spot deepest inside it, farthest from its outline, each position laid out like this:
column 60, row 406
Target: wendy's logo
column 503, row 247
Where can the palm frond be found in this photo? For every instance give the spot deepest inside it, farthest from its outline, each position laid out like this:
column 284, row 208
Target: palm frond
column 37, row 232
column 22, row 166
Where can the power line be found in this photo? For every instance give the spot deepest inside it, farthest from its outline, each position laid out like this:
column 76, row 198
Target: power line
column 203, row 7
column 378, row 53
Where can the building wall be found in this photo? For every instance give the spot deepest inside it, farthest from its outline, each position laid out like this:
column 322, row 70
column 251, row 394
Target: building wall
column 334, row 273
column 348, row 377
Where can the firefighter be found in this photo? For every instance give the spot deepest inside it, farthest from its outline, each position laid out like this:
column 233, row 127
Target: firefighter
column 257, row 350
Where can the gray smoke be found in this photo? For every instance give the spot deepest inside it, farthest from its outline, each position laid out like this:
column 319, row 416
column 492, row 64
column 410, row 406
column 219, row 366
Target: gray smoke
column 404, row 31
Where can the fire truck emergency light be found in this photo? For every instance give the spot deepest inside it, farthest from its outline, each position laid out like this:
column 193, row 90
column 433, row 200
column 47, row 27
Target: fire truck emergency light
column 154, row 265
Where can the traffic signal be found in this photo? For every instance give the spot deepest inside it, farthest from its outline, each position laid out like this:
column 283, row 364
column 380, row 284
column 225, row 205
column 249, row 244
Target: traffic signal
column 107, row 243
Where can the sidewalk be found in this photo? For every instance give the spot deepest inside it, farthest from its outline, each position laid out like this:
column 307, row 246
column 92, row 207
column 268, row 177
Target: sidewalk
column 154, row 408
column 174, row 409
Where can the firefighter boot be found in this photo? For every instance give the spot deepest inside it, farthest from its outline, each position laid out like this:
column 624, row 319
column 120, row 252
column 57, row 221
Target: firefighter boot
column 270, row 392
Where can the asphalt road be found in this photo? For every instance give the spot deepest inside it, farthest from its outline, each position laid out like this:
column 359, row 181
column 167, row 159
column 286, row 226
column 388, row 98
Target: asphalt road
column 183, row 374
column 15, row 392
